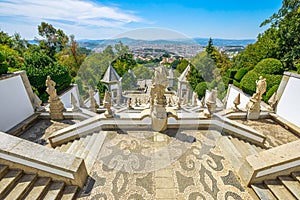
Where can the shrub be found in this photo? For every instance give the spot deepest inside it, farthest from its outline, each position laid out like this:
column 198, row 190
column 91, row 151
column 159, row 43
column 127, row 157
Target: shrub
column 269, row 66
column 3, row 68
column 200, row 89
column 37, row 72
column 237, row 84
column 231, row 73
column 248, row 82
column 226, row 80
column 240, row 74
column 3, row 65
column 270, row 92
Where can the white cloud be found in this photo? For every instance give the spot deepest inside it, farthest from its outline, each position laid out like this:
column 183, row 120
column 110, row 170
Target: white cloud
column 71, row 13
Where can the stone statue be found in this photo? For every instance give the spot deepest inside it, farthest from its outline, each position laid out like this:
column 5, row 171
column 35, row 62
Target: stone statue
column 129, row 104
column 136, row 103
column 169, row 102
column 56, row 106
column 211, row 102
column 195, row 99
column 261, row 87
column 178, row 104
column 253, row 106
column 50, row 84
column 107, row 104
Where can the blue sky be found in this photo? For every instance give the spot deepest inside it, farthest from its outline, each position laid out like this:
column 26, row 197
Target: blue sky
column 230, row 19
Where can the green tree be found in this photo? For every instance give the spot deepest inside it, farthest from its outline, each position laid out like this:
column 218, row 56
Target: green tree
column 54, row 40
column 209, row 48
column 5, row 39
column 11, row 57
column 123, row 63
column 201, row 89
column 71, row 57
column 143, row 72
column 194, row 77
column 182, row 65
column 286, row 22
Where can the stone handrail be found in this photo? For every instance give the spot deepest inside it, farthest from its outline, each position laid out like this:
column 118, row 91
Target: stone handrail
column 35, row 158
column 270, row 164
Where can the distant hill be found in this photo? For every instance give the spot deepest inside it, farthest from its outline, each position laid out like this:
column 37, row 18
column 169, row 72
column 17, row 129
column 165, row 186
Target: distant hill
column 92, row 44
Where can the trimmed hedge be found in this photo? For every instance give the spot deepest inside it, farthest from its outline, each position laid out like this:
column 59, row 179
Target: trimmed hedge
column 200, row 89
column 3, row 65
column 38, row 66
column 248, row 82
column 269, row 66
column 237, row 84
column 240, row 74
column 231, row 73
column 270, row 92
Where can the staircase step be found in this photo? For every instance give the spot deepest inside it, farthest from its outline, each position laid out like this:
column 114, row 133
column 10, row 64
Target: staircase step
column 296, row 175
column 8, row 180
column 3, row 170
column 88, row 146
column 69, row 192
column 65, row 147
column 83, row 146
column 94, row 150
column 263, row 192
column 291, row 184
column 22, row 186
column 39, row 188
column 279, row 190
column 242, row 148
column 73, row 145
column 250, row 147
column 230, row 152
column 77, row 148
column 55, row 190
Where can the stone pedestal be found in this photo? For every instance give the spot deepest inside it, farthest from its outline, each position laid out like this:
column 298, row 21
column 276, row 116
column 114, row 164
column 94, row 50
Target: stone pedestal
column 159, row 118
column 253, row 109
column 56, row 109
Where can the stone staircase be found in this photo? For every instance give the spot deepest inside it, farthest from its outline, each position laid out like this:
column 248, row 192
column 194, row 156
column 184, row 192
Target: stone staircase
column 86, row 147
column 15, row 185
column 236, row 150
column 282, row 188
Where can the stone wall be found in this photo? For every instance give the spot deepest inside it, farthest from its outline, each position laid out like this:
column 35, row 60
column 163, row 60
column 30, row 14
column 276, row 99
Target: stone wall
column 15, row 103
column 288, row 106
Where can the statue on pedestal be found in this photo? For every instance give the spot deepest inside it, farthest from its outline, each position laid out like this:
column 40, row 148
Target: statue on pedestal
column 211, row 103
column 93, row 105
column 253, row 106
column 129, row 104
column 107, row 104
column 157, row 111
column 56, row 106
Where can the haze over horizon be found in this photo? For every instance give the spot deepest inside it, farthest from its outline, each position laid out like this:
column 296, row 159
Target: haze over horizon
column 105, row 19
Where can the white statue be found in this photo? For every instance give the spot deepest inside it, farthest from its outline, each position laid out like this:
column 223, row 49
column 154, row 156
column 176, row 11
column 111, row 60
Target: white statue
column 50, row 84
column 261, row 87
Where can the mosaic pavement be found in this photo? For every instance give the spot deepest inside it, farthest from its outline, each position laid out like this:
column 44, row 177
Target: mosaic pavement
column 146, row 165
